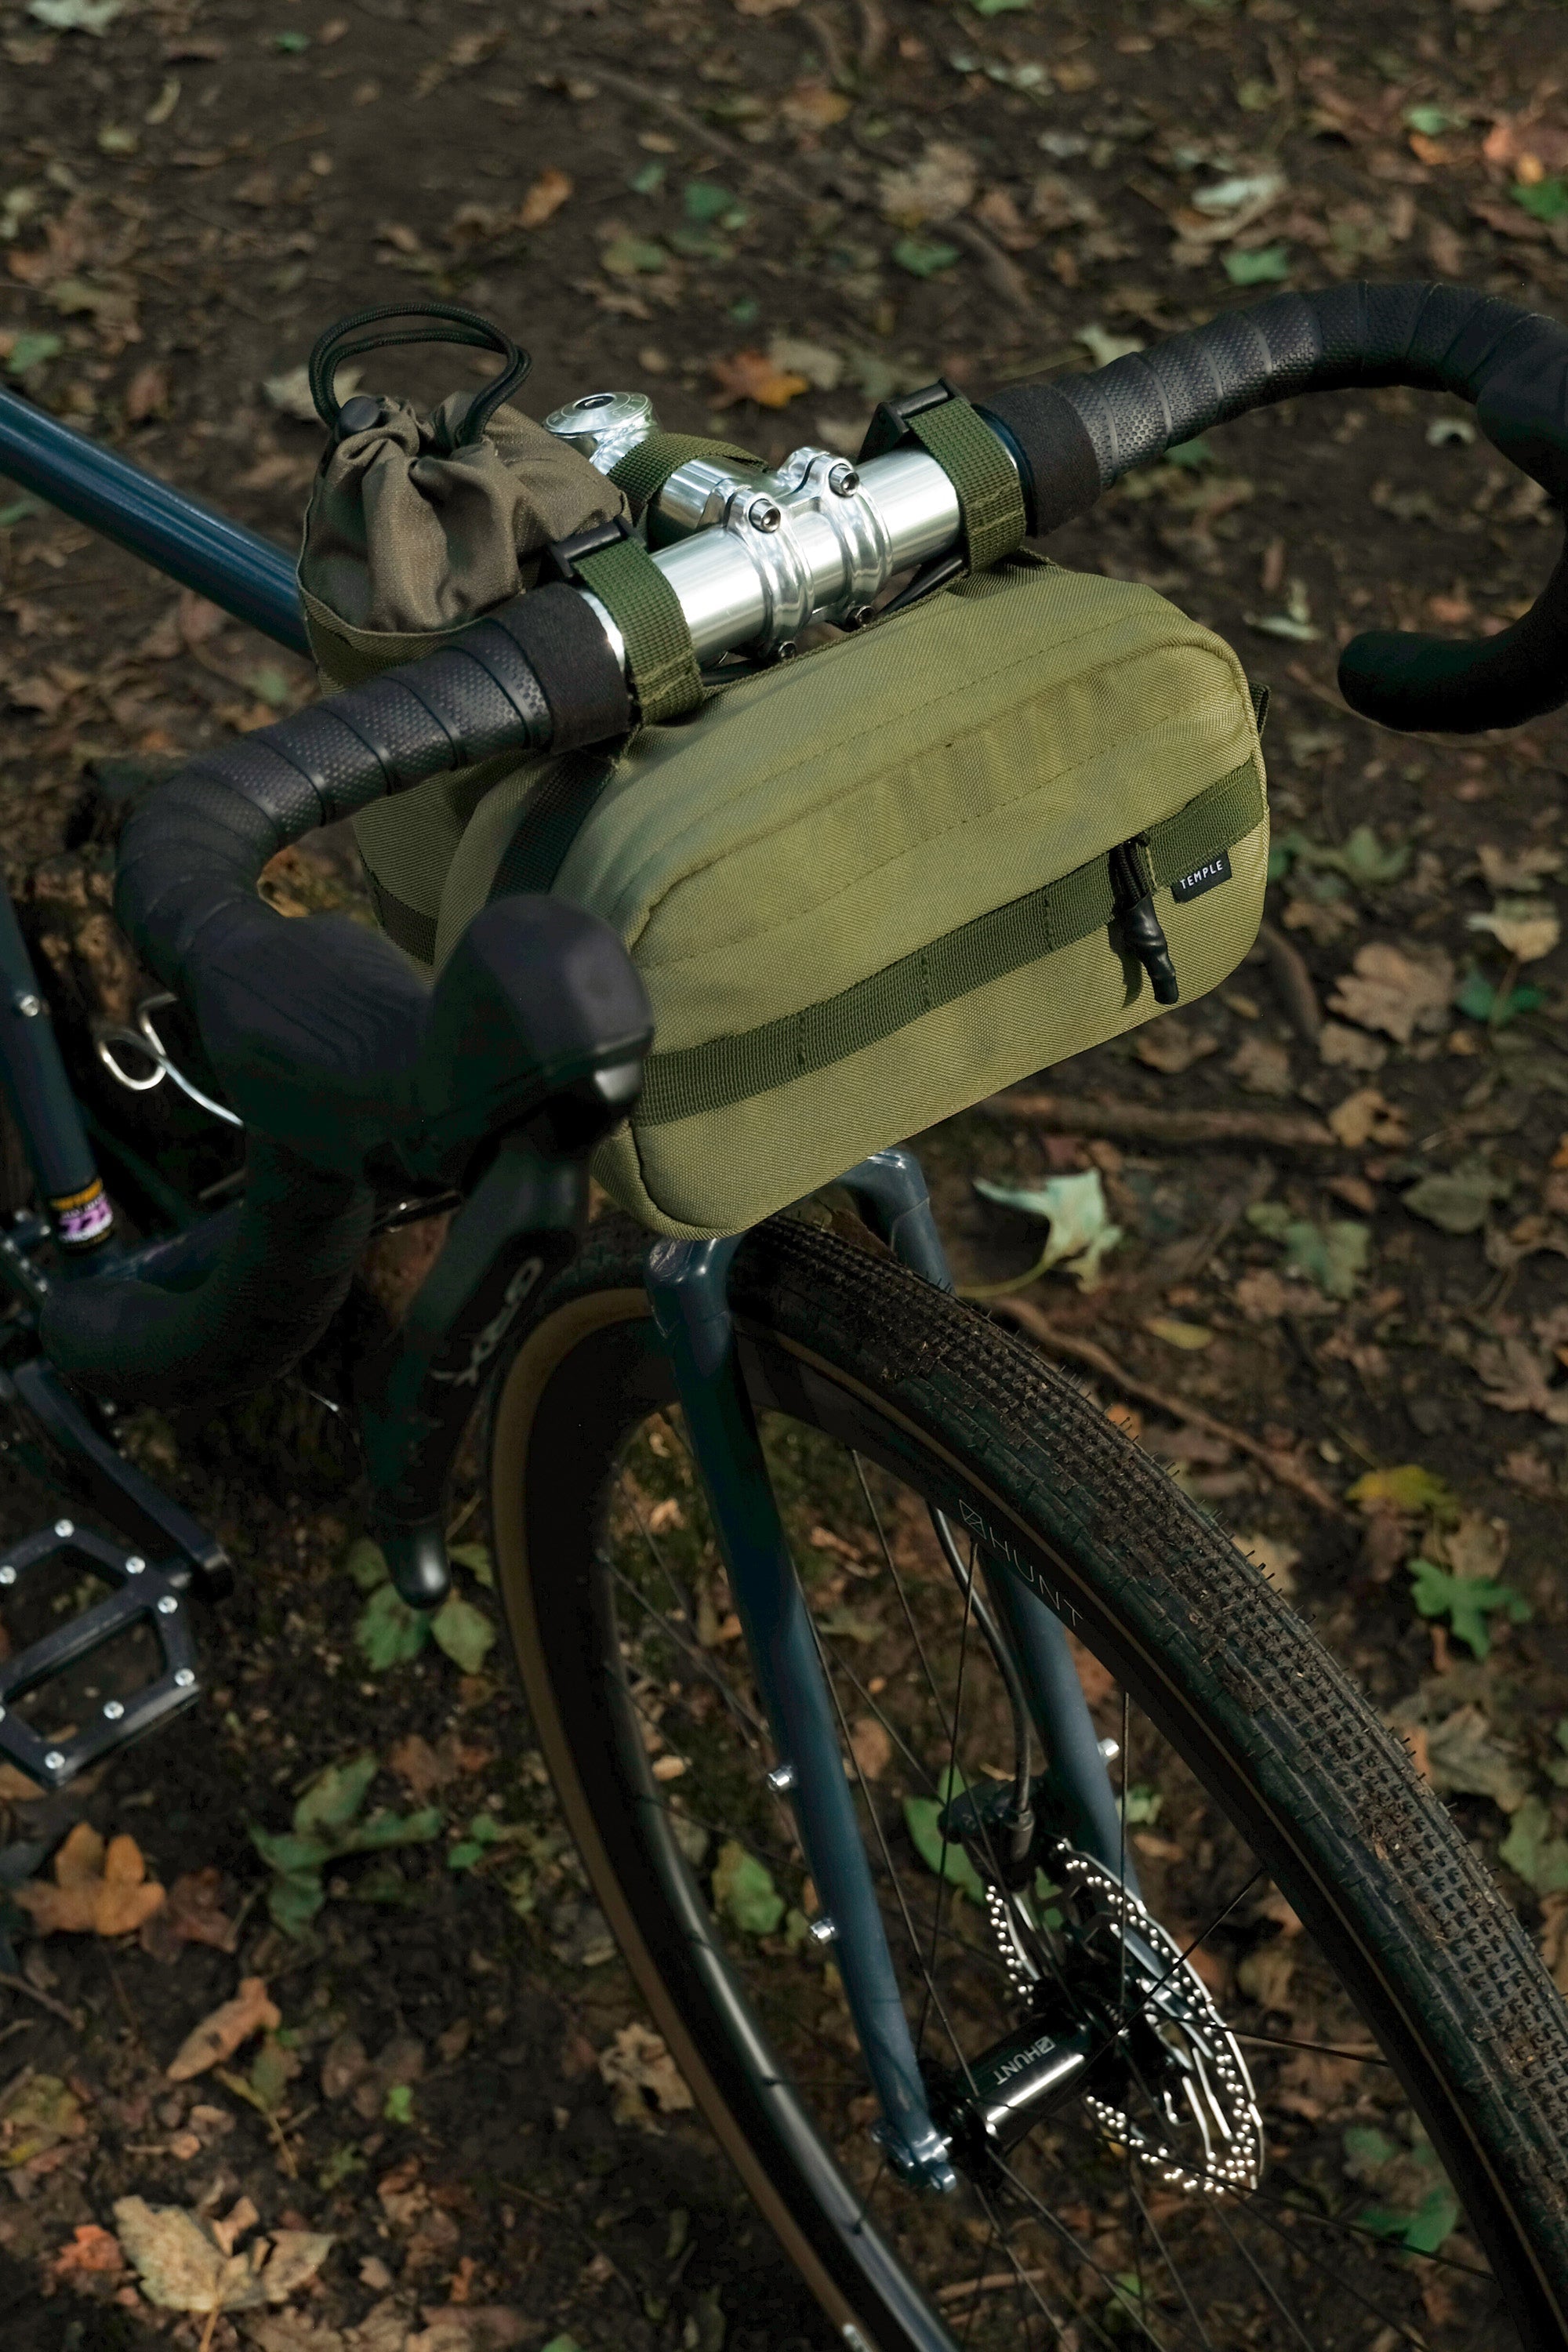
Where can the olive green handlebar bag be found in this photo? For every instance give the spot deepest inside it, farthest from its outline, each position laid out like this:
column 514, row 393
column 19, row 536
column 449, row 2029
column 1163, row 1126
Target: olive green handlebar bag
column 869, row 887
column 411, row 533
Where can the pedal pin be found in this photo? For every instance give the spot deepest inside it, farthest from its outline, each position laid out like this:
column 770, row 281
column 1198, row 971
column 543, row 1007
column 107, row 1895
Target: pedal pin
column 167, row 1606
column 185, row 1678
column 133, row 1566
column 65, row 1528
column 113, row 1708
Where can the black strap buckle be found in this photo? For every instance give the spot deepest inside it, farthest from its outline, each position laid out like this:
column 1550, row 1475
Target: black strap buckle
column 561, row 557
column 890, row 422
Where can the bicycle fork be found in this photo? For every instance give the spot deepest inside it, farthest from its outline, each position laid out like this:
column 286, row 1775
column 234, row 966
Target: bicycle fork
column 687, row 1290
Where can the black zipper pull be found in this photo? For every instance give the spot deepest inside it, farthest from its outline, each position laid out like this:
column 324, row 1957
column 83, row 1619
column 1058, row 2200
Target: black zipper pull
column 1141, row 925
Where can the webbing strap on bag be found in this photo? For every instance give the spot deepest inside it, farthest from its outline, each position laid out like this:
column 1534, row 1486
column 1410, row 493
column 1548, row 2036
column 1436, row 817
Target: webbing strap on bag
column 990, row 500
column 622, row 575
column 687, row 1080
column 643, row 472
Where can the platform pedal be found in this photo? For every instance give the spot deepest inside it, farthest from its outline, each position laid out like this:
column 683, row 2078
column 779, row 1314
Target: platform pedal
column 140, row 1594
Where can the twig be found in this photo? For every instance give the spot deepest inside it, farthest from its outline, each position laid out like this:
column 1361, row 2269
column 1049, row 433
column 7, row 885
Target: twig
column 992, row 2284
column 1002, row 271
column 873, row 35
column 1292, row 984
column 1072, row 1115
column 210, row 2329
column 828, row 42
column 1280, row 1467
column 54, row 2007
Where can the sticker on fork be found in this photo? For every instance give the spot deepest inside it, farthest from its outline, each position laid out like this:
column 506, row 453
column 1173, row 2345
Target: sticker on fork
column 80, row 1219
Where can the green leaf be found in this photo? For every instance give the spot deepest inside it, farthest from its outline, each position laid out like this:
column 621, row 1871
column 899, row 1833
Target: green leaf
column 384, row 1830
column 1544, row 200
column 1142, row 1805
column 344, row 2161
column 289, row 1854
column 270, row 2075
column 1367, row 2150
column 1460, row 1202
column 1407, row 1488
column 700, row 244
column 998, row 7
column 744, row 1891
column 647, row 180
column 484, row 1831
column 1530, row 1848
column 1081, row 1232
column 269, row 685
column 464, row 1633
column 1334, row 1255
column 30, row 351
column 389, row 1632
column 366, row 1563
column 922, row 1818
column 1368, row 859
column 563, row 2344
column 924, row 257
column 1466, row 1600
column 705, row 200
column 849, row 1625
column 624, row 256
column 1478, row 998
column 293, row 1899
column 291, row 44
column 1432, row 120
column 745, row 311
column 476, row 1558
column 335, row 1796
column 1194, row 453
column 398, row 2104
column 1263, row 266
column 19, row 511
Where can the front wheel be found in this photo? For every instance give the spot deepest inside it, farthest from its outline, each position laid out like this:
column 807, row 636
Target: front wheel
column 1314, row 2094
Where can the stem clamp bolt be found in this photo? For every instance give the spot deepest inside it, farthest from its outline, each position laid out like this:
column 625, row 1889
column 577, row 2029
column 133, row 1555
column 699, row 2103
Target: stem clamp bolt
column 842, row 480
column 763, row 515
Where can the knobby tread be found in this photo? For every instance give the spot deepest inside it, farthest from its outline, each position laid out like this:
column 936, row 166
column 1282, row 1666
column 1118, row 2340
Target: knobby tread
column 1446, row 1945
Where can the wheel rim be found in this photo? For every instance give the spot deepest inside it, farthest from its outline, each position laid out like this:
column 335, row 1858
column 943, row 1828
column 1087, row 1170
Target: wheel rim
column 1072, row 2231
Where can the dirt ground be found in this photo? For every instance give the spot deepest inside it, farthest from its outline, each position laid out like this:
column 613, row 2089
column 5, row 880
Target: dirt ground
column 1350, row 1269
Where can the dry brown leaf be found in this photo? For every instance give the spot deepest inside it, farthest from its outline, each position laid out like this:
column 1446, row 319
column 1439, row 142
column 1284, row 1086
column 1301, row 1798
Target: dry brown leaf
column 1516, row 1375
column 147, row 393
column 546, row 197
column 182, row 2268
column 643, row 2076
column 1171, row 1046
column 92, row 2252
column 1262, row 1066
column 1517, row 870
column 1476, row 1548
column 871, row 1746
column 1349, row 1049
column 193, row 1914
column 753, row 375
column 940, row 184
column 217, row 2037
column 1396, row 991
column 99, row 1890
column 1265, row 1975
column 814, row 106
column 1521, row 927
column 290, row 2331
column 763, row 7
column 1366, row 1117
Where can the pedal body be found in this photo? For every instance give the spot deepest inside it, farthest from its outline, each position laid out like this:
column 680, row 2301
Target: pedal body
column 140, row 1595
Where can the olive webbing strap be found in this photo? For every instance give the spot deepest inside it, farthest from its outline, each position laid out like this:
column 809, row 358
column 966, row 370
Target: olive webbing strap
column 690, row 1079
column 550, row 821
column 643, row 472
column 647, row 611
column 404, row 926
column 990, row 500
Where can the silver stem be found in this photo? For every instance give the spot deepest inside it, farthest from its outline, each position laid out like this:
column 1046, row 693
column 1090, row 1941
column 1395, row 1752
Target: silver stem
column 759, row 556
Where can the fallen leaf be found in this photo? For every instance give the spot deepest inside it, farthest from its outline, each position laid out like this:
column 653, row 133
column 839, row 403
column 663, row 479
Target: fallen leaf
column 1333, row 1255
column 812, row 106
column 76, row 15
column 1460, row 1202
column 217, row 2037
column 1517, row 1378
column 1517, row 870
column 93, row 2252
column 1171, row 1046
column 941, row 184
column 290, row 393
column 643, row 2076
column 1530, row 1848
column 549, row 191
column 463, row 1631
column 1177, row 1334
column 744, row 1890
column 1396, row 992
column 1277, row 1559
column 1522, row 927
column 1348, row 1049
column 753, row 375
column 1465, row 1602
column 193, row 1914
column 1104, row 347
column 38, row 2112
column 1081, row 1232
column 1407, row 1489
column 147, row 393
column 1264, row 1975
column 871, row 1745
column 1477, row 1547
column 821, row 365
column 924, row 257
column 1465, row 1758
column 183, row 2268
column 1366, row 1118
column 1262, row 1066
column 99, row 1891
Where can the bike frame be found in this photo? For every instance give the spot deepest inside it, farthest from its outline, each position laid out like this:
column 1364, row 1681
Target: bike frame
column 518, row 1227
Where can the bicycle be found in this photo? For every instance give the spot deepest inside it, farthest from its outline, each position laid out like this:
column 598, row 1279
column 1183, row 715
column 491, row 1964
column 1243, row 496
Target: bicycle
column 834, row 1605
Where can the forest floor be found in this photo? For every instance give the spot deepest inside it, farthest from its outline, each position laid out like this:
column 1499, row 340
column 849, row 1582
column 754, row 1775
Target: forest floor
column 1353, row 1261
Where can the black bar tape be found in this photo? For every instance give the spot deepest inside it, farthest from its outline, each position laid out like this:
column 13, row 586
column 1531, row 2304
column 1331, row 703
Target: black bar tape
column 565, row 646
column 1061, row 468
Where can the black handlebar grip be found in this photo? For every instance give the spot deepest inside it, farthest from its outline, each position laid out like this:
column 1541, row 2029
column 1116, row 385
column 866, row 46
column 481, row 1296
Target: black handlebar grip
column 1078, row 436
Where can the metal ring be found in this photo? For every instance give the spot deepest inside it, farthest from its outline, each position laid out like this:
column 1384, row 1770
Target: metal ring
column 107, row 1037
